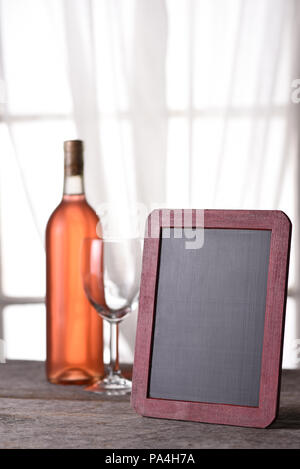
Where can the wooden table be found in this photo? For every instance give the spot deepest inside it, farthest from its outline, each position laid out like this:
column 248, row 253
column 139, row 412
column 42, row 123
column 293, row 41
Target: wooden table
column 36, row 414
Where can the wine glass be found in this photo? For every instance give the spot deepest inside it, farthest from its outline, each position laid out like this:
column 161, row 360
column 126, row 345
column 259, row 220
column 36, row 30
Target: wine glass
column 111, row 271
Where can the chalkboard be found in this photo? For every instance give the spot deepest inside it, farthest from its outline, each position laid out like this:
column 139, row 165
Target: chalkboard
column 211, row 319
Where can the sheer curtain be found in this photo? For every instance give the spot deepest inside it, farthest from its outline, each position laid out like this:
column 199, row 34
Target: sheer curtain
column 181, row 103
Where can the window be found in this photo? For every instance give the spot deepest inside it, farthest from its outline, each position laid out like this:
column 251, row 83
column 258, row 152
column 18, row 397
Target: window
column 181, row 103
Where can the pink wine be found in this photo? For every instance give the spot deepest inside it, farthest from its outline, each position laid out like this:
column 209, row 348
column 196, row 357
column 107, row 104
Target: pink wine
column 74, row 329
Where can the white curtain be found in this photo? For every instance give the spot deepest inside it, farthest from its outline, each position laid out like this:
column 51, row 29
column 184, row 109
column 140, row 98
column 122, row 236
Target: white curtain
column 181, row 103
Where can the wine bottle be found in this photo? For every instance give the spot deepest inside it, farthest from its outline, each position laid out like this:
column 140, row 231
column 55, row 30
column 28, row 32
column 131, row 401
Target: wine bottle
column 74, row 329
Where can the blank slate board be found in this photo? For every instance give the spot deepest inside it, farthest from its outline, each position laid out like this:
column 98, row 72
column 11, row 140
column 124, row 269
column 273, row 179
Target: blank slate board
column 211, row 320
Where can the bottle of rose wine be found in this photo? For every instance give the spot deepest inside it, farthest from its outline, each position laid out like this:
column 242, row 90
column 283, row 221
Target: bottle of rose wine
column 74, row 329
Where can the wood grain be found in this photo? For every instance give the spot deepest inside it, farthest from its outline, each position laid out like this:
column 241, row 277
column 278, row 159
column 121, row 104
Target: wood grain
column 36, row 414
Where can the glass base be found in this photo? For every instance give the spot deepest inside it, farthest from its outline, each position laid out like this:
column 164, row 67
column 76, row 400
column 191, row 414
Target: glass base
column 111, row 385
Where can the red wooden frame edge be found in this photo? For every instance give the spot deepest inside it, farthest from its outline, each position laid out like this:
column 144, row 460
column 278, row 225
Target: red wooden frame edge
column 263, row 415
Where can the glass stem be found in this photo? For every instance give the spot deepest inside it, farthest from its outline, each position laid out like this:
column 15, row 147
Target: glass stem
column 114, row 348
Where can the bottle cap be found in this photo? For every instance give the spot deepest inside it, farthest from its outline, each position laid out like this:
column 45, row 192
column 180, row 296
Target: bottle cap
column 73, row 150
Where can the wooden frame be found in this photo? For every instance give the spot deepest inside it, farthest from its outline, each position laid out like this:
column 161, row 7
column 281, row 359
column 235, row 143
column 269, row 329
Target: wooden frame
column 266, row 412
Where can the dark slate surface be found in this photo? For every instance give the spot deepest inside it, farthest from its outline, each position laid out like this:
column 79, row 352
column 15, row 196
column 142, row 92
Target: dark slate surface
column 209, row 322
column 35, row 414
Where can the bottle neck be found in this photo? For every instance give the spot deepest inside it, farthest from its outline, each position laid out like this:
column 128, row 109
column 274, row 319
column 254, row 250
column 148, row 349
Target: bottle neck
column 73, row 185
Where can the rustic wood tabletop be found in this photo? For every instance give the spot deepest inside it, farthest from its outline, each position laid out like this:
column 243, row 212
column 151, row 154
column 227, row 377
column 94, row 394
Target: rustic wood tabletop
column 36, row 414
